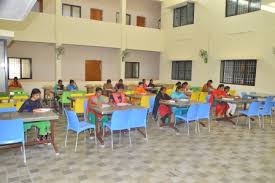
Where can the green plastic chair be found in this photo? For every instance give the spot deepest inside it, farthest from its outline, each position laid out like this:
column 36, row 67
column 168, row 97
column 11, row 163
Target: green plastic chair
column 64, row 99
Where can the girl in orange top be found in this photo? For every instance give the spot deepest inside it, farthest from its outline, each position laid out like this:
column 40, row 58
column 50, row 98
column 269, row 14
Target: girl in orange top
column 15, row 83
column 140, row 89
column 221, row 107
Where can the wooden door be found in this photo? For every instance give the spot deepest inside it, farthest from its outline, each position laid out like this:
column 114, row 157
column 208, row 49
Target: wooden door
column 141, row 21
column 40, row 5
column 96, row 14
column 93, row 70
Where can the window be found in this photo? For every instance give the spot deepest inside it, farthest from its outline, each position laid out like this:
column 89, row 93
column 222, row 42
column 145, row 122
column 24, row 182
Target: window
column 20, row 67
column 184, row 15
column 71, row 10
column 240, row 72
column 182, row 70
column 128, row 18
column 238, row 7
column 132, row 70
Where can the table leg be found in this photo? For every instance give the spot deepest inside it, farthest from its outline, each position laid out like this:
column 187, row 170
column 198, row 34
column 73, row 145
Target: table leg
column 52, row 138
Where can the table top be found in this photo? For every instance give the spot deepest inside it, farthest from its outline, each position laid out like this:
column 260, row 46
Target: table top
column 29, row 116
column 139, row 96
column 260, row 95
column 111, row 109
column 177, row 103
column 236, row 100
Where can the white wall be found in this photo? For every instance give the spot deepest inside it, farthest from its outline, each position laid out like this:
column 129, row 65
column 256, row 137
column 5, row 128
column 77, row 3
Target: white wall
column 42, row 55
column 149, row 63
column 146, row 8
column 243, row 36
column 73, row 61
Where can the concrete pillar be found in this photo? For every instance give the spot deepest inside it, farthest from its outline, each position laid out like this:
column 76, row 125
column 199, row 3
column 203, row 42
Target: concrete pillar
column 58, row 46
column 3, row 66
column 122, row 17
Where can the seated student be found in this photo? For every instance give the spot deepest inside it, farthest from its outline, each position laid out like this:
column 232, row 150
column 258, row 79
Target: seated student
column 184, row 87
column 144, row 83
column 151, row 83
column 15, row 83
column 208, row 87
column 72, row 86
column 177, row 95
column 163, row 110
column 140, row 89
column 118, row 96
column 59, row 86
column 108, row 85
column 231, row 107
column 221, row 107
column 33, row 104
column 97, row 100
column 120, row 82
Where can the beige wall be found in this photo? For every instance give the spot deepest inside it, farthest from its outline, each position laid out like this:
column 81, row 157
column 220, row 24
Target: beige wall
column 244, row 36
column 73, row 62
column 42, row 55
column 149, row 63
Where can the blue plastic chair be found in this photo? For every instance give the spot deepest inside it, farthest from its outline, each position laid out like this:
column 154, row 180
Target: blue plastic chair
column 208, row 98
column 138, row 119
column 119, row 121
column 76, row 126
column 204, row 113
column 253, row 111
column 191, row 115
column 244, row 95
column 9, row 109
column 266, row 111
column 11, row 132
column 85, row 110
column 152, row 102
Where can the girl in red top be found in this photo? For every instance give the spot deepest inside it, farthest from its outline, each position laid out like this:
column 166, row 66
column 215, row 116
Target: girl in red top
column 221, row 107
column 119, row 96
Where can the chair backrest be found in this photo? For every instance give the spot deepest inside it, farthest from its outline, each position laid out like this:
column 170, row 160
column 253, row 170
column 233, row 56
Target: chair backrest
column 78, row 105
column 269, row 99
column 8, row 109
column 232, row 92
column 72, row 119
column 254, row 108
column 244, row 95
column 138, row 118
column 120, row 120
column 145, row 101
column 202, row 96
column 152, row 102
column 6, row 105
column 169, row 92
column 64, row 97
column 76, row 94
column 203, row 111
column 207, row 98
column 195, row 96
column 192, row 112
column 11, row 131
column 268, row 107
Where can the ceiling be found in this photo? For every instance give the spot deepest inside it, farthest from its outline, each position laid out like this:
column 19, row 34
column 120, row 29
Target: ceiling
column 15, row 10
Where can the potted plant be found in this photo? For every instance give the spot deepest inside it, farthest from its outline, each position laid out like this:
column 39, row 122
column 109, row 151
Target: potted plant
column 204, row 55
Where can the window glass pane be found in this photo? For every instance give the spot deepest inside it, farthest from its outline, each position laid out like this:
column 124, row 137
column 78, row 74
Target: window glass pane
column 231, row 7
column 182, row 70
column 128, row 19
column 135, row 70
column 66, row 10
column 14, row 68
column 76, row 12
column 242, row 6
column 26, row 68
column 177, row 17
column 183, row 15
column 255, row 5
column 132, row 70
column 190, row 13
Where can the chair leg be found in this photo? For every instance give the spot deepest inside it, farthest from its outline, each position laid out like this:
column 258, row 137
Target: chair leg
column 209, row 125
column 112, row 140
column 96, row 136
column 263, row 122
column 24, row 152
column 238, row 119
column 130, row 140
column 76, row 142
column 66, row 138
column 271, row 120
column 119, row 139
column 249, row 127
column 198, row 124
column 259, row 121
column 146, row 135
column 188, row 128
column 85, row 136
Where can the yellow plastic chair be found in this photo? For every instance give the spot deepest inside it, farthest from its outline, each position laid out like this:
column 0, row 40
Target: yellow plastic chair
column 6, row 105
column 18, row 104
column 232, row 92
column 202, row 97
column 129, row 92
column 169, row 92
column 4, row 98
column 79, row 105
column 89, row 94
column 195, row 96
column 23, row 97
column 76, row 95
column 145, row 101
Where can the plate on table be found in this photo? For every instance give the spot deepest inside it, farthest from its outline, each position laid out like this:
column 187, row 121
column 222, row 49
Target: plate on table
column 184, row 100
column 228, row 99
column 43, row 110
column 105, row 105
column 122, row 104
column 172, row 101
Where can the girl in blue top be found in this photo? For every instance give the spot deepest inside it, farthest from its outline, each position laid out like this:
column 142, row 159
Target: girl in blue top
column 72, row 86
column 177, row 95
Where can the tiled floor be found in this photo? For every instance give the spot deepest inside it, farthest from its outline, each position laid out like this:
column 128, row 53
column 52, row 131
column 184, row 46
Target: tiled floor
column 224, row 155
